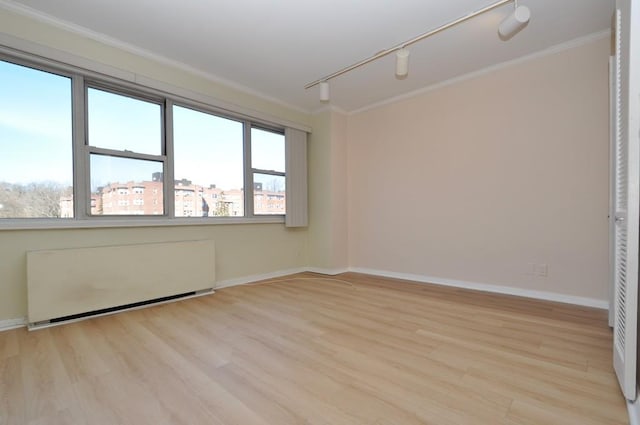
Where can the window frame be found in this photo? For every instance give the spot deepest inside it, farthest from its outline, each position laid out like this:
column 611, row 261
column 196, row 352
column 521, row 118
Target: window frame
column 197, row 107
column 36, row 65
column 85, row 208
column 253, row 170
column 81, row 81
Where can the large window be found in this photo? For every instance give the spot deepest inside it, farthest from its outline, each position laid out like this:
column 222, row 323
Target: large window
column 36, row 158
column 82, row 147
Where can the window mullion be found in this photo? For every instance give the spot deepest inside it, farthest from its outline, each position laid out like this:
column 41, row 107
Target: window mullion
column 81, row 195
column 125, row 154
column 269, row 172
column 248, row 172
column 169, row 176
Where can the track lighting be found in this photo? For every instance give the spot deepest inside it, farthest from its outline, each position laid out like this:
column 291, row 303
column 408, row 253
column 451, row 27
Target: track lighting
column 511, row 25
column 402, row 63
column 324, row 91
column 515, row 22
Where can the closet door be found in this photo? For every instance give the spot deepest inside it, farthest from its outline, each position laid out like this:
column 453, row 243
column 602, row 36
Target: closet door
column 626, row 165
column 612, row 186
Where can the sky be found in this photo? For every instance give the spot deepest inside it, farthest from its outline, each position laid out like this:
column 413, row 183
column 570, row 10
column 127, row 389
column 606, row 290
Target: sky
column 35, row 126
column 36, row 136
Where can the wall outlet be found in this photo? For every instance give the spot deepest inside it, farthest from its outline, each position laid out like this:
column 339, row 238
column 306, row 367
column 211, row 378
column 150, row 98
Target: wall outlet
column 537, row 270
column 542, row 270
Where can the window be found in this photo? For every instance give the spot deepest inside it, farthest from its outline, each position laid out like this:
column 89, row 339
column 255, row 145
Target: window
column 124, row 136
column 268, row 169
column 36, row 158
column 131, row 151
column 208, row 158
column 123, row 123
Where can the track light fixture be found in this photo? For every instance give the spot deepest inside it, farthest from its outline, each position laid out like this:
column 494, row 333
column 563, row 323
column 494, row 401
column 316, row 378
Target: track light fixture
column 515, row 22
column 510, row 26
column 324, row 91
column 402, row 63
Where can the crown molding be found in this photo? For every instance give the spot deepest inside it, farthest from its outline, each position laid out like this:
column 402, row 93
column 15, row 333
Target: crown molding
column 332, row 108
column 29, row 12
column 39, row 16
column 577, row 42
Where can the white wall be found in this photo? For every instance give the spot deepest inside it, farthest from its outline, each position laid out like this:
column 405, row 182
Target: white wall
column 475, row 180
column 328, row 249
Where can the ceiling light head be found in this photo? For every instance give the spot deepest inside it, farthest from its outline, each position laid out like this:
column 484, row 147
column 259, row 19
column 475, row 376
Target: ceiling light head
column 515, row 22
column 324, row 91
column 402, row 63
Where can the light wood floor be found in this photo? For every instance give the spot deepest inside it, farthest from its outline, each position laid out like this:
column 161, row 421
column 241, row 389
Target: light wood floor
column 306, row 351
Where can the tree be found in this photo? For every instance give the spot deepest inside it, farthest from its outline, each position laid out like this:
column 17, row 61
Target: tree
column 274, row 184
column 38, row 199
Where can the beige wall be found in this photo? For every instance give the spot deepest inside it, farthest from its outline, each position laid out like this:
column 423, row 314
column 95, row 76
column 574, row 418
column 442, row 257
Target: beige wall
column 328, row 192
column 476, row 180
column 241, row 250
column 471, row 182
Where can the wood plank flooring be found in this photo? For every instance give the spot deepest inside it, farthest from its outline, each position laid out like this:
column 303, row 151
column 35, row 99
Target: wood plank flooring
column 307, row 349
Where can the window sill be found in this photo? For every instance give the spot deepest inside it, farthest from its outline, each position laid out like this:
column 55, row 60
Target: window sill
column 94, row 223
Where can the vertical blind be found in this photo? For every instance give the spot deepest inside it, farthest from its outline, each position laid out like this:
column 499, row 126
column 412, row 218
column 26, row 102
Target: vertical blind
column 296, row 178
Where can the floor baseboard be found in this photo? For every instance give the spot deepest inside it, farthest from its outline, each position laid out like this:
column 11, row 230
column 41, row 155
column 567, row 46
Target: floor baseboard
column 330, row 272
column 507, row 290
column 256, row 277
column 8, row 324
column 499, row 289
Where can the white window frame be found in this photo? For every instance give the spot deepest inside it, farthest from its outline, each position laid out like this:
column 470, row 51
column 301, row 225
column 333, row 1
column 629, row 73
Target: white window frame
column 83, row 209
column 251, row 171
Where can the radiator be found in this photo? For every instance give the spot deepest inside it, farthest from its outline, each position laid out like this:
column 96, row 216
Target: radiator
column 69, row 282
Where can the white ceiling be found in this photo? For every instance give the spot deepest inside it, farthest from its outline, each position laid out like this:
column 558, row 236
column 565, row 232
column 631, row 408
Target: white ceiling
column 275, row 47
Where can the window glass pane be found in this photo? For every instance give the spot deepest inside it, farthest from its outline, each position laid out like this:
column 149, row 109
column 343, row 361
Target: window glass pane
column 208, row 164
column 267, row 150
column 36, row 163
column 124, row 186
column 268, row 194
column 123, row 123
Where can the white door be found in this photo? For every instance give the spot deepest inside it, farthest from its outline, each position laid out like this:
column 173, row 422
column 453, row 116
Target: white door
column 625, row 226
column 612, row 184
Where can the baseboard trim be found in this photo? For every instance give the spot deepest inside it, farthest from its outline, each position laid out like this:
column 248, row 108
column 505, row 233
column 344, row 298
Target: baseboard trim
column 8, row 324
column 485, row 287
column 256, row 277
column 330, row 272
column 477, row 286
column 507, row 290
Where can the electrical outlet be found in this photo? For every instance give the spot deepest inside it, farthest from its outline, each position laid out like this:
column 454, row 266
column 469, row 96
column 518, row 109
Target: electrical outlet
column 542, row 270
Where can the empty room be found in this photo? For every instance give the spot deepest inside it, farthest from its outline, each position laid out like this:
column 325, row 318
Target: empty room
column 299, row 212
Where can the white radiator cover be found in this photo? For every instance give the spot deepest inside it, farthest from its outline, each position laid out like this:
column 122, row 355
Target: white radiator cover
column 65, row 282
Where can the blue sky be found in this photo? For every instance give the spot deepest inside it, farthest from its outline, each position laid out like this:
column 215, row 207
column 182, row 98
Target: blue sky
column 36, row 128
